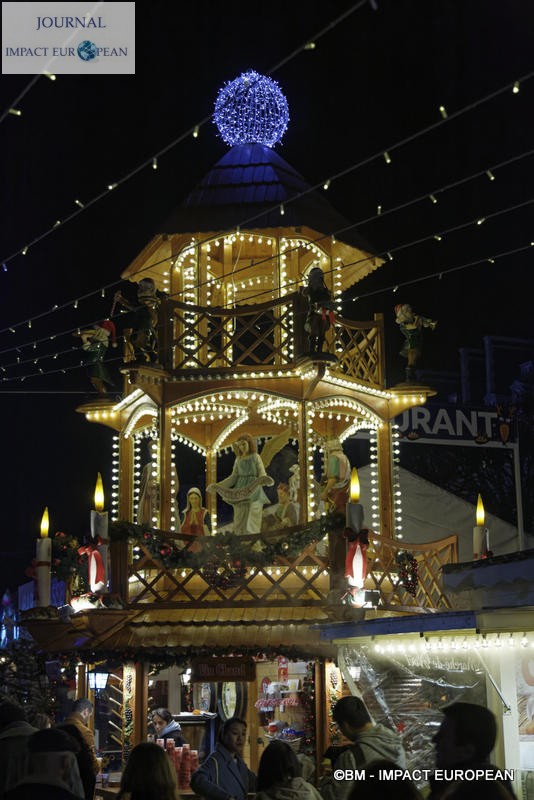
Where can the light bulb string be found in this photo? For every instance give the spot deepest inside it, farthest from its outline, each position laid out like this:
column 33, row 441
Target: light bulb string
column 392, row 288
column 397, row 248
column 391, row 148
column 192, row 130
column 295, row 283
column 423, row 197
column 19, row 97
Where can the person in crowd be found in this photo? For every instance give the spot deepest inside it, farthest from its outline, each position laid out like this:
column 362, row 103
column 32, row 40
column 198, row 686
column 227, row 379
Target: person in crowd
column 369, row 742
column 464, row 740
column 79, row 717
column 480, row 790
column 41, row 721
column 84, row 757
column 242, row 489
column 148, row 775
column 52, row 769
column 375, row 784
column 166, row 726
column 14, row 734
column 224, row 775
column 280, row 775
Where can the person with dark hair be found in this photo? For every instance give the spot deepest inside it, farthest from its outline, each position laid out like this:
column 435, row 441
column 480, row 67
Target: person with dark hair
column 464, row 740
column 79, row 717
column 148, row 775
column 84, row 757
column 369, row 742
column 224, row 775
column 376, row 785
column 52, row 769
column 280, row 775
column 166, row 727
column 14, row 734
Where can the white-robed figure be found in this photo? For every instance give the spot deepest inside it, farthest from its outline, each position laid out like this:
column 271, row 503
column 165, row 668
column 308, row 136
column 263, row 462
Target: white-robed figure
column 242, row 489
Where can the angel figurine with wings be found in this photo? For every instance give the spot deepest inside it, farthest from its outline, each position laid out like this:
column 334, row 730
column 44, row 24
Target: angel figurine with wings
column 243, row 488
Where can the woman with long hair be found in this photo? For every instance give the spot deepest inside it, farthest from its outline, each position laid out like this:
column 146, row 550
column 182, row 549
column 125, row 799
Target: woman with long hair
column 148, row 775
column 280, row 775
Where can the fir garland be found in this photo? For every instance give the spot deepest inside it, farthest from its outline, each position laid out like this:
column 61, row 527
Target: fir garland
column 408, row 571
column 224, row 557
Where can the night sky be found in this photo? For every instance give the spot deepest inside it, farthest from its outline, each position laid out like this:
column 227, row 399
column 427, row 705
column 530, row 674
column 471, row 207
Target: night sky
column 374, row 82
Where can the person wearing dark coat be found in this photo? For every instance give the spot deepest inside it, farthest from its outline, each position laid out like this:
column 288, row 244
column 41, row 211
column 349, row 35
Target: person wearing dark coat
column 224, row 775
column 166, row 727
column 52, row 769
column 14, row 735
column 464, row 741
column 84, row 758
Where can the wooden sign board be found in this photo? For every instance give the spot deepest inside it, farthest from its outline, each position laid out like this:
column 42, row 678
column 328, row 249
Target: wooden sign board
column 213, row 670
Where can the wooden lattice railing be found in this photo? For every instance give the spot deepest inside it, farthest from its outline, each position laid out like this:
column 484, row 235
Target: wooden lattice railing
column 262, row 337
column 304, row 580
column 383, row 572
column 359, row 350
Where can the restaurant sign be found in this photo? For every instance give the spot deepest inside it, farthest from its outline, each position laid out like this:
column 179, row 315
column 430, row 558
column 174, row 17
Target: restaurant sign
column 231, row 668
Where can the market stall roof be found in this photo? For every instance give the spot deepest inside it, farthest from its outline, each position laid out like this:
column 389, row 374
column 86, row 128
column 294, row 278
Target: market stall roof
column 183, row 630
column 494, row 620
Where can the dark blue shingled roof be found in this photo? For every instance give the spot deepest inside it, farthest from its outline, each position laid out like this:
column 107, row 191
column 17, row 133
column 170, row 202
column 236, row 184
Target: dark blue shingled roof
column 242, row 188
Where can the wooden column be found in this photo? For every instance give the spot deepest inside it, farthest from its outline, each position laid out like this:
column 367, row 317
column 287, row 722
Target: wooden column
column 140, row 702
column 126, row 470
column 321, row 722
column 165, row 470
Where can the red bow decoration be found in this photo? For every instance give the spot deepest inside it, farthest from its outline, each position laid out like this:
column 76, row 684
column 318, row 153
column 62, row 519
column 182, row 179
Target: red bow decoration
column 356, row 540
column 97, row 573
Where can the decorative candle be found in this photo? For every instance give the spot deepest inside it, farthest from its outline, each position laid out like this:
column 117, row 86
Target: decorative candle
column 354, row 509
column 43, row 561
column 356, row 558
column 99, row 534
column 480, row 533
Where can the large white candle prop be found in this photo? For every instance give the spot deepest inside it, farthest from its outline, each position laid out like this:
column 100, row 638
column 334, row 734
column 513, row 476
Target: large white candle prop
column 354, row 509
column 99, row 533
column 43, row 562
column 480, row 533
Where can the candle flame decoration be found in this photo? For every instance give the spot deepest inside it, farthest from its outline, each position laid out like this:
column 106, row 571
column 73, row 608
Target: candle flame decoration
column 99, row 493
column 480, row 512
column 354, row 486
column 45, row 522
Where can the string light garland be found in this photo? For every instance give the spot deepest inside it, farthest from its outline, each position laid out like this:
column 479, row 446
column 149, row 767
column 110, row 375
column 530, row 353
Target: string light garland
column 404, row 205
column 194, row 130
column 442, row 271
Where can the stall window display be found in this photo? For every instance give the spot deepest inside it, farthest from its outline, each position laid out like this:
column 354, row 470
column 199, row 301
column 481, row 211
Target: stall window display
column 280, row 702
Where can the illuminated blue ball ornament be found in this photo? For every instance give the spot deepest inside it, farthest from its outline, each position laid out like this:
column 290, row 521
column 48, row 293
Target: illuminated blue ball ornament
column 251, row 108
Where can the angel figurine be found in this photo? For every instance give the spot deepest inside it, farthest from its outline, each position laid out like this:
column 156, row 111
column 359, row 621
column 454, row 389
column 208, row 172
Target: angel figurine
column 243, row 488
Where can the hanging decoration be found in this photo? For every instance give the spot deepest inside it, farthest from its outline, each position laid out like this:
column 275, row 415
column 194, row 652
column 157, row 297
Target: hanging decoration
column 251, row 108
column 224, row 556
column 408, row 571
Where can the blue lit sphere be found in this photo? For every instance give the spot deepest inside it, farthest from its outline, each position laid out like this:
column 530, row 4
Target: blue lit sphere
column 87, row 50
column 251, row 108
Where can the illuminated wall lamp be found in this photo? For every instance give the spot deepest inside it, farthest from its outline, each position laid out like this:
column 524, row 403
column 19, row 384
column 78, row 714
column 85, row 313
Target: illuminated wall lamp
column 97, row 680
